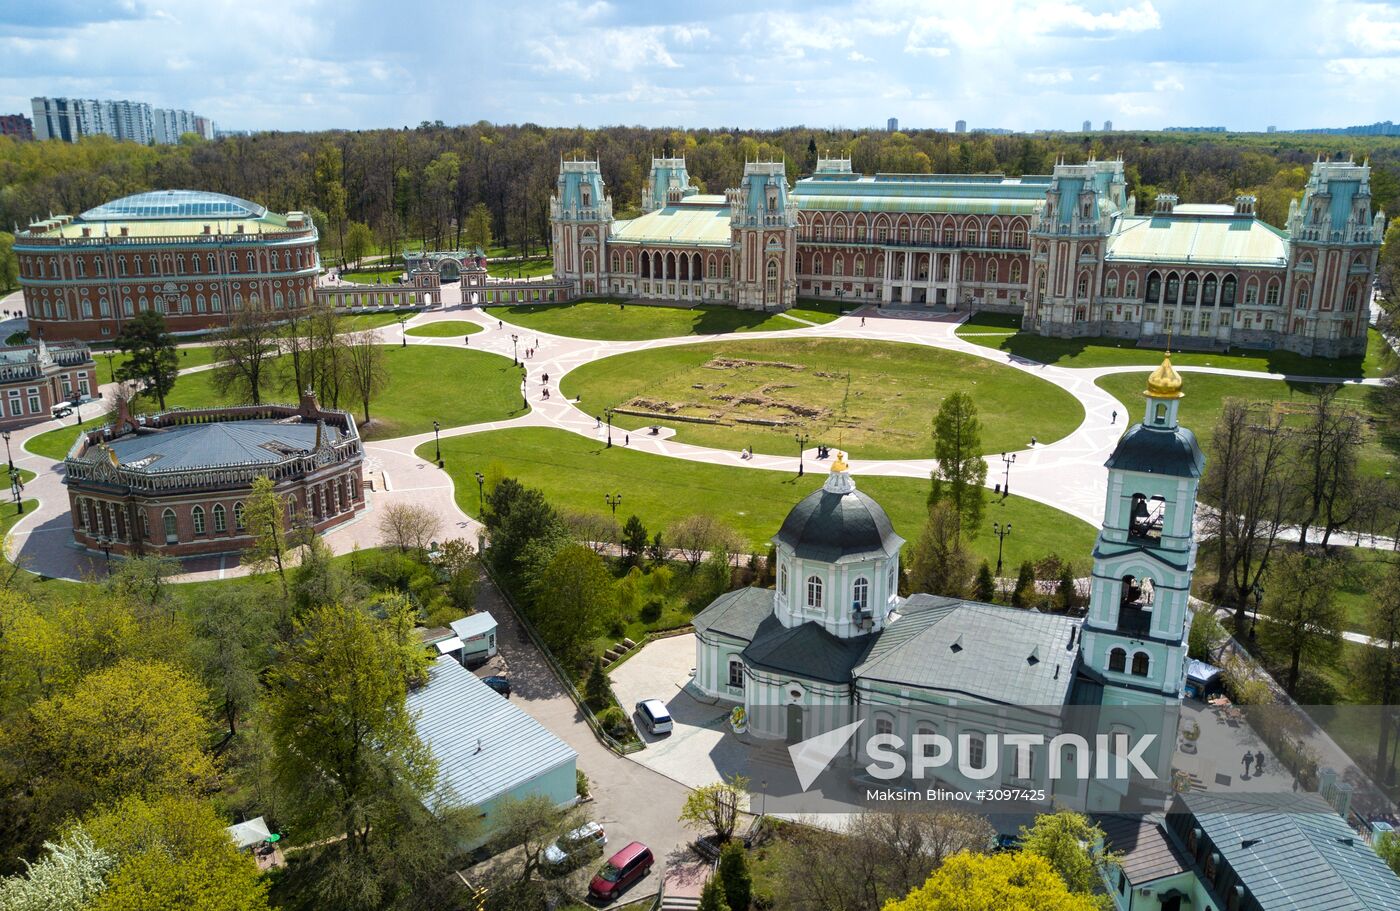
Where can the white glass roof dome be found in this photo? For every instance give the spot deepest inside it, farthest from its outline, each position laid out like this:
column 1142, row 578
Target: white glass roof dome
column 174, row 204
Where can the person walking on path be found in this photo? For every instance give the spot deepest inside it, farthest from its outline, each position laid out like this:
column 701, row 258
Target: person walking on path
column 627, row 439
column 1114, row 418
column 467, row 340
column 1248, row 758
column 862, row 322
column 500, row 325
column 1258, row 763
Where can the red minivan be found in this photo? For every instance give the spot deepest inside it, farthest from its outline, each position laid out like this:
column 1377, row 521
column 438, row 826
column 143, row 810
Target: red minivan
column 622, row 870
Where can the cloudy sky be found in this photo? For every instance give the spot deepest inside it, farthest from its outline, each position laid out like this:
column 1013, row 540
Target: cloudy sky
column 308, row 64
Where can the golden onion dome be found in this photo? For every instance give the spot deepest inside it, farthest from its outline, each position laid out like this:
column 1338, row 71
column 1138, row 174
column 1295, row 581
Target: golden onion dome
column 1165, row 382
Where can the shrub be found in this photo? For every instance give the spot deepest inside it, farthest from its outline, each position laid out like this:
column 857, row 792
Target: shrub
column 580, row 783
column 1206, row 635
column 734, row 875
column 652, row 611
column 614, row 722
column 596, row 691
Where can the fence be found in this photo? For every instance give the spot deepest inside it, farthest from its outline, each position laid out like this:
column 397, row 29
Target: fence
column 609, row 741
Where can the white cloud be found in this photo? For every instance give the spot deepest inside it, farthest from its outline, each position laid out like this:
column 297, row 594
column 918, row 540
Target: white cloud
column 858, row 57
column 606, row 50
column 1168, row 83
column 1053, row 17
column 1049, row 77
column 1375, row 30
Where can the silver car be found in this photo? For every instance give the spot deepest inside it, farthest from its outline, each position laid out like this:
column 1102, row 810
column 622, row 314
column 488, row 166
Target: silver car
column 577, row 845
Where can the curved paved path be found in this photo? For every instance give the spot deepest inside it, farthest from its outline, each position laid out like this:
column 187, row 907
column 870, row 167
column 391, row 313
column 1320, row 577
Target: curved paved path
column 1066, row 474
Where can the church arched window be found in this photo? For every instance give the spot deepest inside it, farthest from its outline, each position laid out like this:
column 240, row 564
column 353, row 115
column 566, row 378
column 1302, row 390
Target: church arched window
column 736, row 672
column 1351, row 299
column 884, row 724
column 1191, row 286
column 992, row 271
column 772, row 277
column 1141, row 662
column 1014, row 276
column 814, row 593
column 860, row 594
column 1173, row 288
column 1227, row 291
column 172, row 533
column 220, row 518
column 197, row 514
column 969, row 271
column 1154, row 286
column 1118, row 660
column 1208, row 291
column 783, row 580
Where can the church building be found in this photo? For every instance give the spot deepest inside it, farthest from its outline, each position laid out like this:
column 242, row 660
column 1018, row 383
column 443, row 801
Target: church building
column 835, row 636
column 1068, row 252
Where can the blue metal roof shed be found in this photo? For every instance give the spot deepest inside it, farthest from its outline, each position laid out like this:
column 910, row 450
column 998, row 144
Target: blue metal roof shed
column 487, row 750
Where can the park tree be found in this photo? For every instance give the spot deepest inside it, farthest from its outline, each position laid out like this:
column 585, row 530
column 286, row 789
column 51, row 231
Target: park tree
column 234, row 634
column 939, row 563
column 1304, row 618
column 440, row 185
column 69, row 876
column 1325, row 459
column 9, row 263
column 1012, row 881
column 135, row 728
column 712, row 896
column 1066, row 593
column 961, row 472
column 246, row 350
column 735, row 876
column 1072, row 845
column 345, row 755
column 1377, row 670
column 1024, row 594
column 408, row 526
column 1388, row 849
column 265, row 514
column 172, row 853
column 634, row 540
column 519, row 519
column 1205, row 636
column 696, row 535
column 331, row 195
column 477, row 231
column 573, row 600
column 985, row 588
column 151, row 361
column 144, row 582
column 359, row 240
column 1247, row 485
column 529, row 824
column 715, row 807
column 365, row 370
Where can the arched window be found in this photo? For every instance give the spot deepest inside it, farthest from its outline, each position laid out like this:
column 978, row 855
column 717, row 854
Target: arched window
column 1227, row 292
column 100, row 268
column 126, row 306
column 1191, row 287
column 814, row 593
column 1118, row 660
column 884, row 724
column 121, row 267
column 215, row 304
column 588, row 261
column 197, row 516
column 172, row 532
column 772, row 277
column 220, row 518
column 817, row 264
column 1351, row 298
column 859, row 271
column 992, row 271
column 1014, row 276
column 1140, row 664
column 782, row 580
column 1208, row 291
column 1302, row 296
column 969, row 271
column 277, row 300
column 860, row 594
column 213, row 264
column 184, row 303
column 1173, row 288
column 199, row 303
column 1271, row 293
column 239, row 522
column 1083, row 287
column 736, row 673
column 838, row 265
column 1154, row 287
column 145, row 526
column 976, row 751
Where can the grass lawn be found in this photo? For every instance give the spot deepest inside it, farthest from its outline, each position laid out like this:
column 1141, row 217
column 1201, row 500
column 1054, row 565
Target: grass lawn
column 1206, row 394
column 451, row 385
column 357, row 321
column 520, row 268
column 876, row 398
column 1366, row 569
column 375, row 276
column 450, row 328
column 190, row 356
column 574, row 473
column 995, row 331
column 610, row 319
column 498, row 252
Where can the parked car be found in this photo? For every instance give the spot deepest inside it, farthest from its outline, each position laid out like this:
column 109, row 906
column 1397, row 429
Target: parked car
column 499, row 684
column 578, row 845
column 61, row 411
column 653, row 716
column 621, row 872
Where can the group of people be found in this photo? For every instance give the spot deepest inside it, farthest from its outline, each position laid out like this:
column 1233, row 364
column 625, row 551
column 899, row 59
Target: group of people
column 1257, row 758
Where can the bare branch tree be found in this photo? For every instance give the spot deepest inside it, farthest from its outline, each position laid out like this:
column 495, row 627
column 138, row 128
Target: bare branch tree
column 247, row 346
column 408, row 526
column 364, row 367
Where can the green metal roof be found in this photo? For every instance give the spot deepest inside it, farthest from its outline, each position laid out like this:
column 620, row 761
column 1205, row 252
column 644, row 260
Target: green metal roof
column 686, row 224
column 953, row 205
column 1197, row 238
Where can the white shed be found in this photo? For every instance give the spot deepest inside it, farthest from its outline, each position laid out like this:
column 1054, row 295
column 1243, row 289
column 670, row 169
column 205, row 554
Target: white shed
column 478, row 638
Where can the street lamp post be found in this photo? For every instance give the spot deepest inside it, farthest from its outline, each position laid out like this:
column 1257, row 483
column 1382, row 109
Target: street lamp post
column 480, row 492
column 15, row 490
column 1258, row 600
column 1008, row 461
column 514, row 356
column 801, row 439
column 437, row 444
column 613, row 500
column 111, row 373
column 608, row 413
column 9, row 458
column 1001, row 531
column 403, row 330
column 763, row 802
column 105, row 543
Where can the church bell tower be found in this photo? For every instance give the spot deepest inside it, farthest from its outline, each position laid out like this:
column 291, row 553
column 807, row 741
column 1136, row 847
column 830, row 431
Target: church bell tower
column 1135, row 634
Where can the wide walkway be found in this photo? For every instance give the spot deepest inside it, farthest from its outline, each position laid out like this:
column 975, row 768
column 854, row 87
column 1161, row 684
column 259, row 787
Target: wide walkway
column 1067, row 474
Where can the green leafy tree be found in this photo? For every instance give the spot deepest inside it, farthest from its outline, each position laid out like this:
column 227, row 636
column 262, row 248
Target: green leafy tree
column 234, row 632
column 573, row 601
column 1205, row 636
column 1071, row 845
column 595, row 688
column 735, row 875
column 151, row 360
column 135, row 728
column 634, row 540
column 1012, row 881
column 715, row 807
column 712, row 896
column 1377, row 670
column 1066, row 594
column 477, row 231
column 1304, row 619
column 346, row 757
column 1024, row 595
column 173, row 853
column 939, row 564
column 265, row 512
column 961, row 472
column 1388, row 847
column 329, row 177
column 9, row 263
column 985, row 588
column 245, row 351
column 359, row 240
column 71, row 873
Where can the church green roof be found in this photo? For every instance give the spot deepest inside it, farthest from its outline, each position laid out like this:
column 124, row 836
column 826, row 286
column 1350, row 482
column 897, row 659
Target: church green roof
column 1206, row 238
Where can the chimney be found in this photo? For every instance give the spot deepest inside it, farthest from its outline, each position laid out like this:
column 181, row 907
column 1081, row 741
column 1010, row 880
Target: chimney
column 1166, row 204
column 238, row 229
column 309, row 406
column 125, row 230
column 206, row 229
column 1244, row 205
column 87, row 232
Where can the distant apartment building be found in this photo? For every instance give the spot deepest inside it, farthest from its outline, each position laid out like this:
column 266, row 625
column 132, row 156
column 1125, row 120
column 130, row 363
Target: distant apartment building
column 1088, row 126
column 1108, row 126
column 960, row 126
column 892, row 124
column 1271, row 129
column 70, row 119
column 16, row 126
